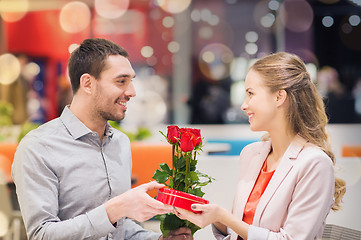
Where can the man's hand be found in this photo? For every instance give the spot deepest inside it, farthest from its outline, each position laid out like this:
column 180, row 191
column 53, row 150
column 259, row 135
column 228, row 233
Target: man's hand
column 136, row 204
column 182, row 233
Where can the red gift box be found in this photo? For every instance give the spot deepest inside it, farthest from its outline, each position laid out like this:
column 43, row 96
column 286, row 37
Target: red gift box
column 179, row 199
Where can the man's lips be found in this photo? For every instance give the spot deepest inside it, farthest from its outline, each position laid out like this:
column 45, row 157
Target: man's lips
column 123, row 104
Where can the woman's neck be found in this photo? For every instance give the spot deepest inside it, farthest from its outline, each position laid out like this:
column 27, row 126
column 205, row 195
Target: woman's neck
column 280, row 142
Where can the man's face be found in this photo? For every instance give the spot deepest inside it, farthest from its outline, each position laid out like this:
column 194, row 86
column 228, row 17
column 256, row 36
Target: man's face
column 114, row 89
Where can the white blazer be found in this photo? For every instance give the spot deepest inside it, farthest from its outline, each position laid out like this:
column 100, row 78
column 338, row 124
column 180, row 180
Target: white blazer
column 298, row 197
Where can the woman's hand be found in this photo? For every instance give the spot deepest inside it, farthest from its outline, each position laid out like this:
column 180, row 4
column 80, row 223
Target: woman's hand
column 210, row 213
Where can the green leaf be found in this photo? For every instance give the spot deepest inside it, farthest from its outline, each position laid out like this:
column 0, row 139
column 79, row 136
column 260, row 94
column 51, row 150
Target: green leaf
column 170, row 185
column 193, row 176
column 160, row 176
column 196, row 191
column 165, row 168
column 192, row 227
column 181, row 163
column 170, row 222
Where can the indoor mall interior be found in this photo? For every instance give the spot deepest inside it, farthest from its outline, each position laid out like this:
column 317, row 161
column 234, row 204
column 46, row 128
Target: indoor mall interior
column 191, row 59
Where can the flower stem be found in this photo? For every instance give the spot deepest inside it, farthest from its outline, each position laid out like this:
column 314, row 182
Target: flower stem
column 173, row 166
column 187, row 172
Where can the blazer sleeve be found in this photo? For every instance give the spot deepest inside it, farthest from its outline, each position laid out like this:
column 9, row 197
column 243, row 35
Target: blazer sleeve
column 218, row 235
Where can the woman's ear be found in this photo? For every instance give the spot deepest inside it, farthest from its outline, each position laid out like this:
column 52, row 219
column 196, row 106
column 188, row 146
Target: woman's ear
column 281, row 97
column 86, row 83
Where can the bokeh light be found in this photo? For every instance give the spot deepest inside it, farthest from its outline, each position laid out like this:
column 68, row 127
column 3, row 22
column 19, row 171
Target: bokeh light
column 111, row 9
column 174, row 6
column 354, row 20
column 30, row 70
column 173, row 47
column 9, row 68
column 251, row 36
column 205, row 32
column 239, row 68
column 14, row 10
column 74, row 17
column 251, row 48
column 296, row 15
column 262, row 16
column 356, row 2
column 147, row 51
column 4, row 219
column 215, row 60
column 346, row 28
column 350, row 35
column 72, row 47
column 168, row 21
column 214, row 20
column 206, row 14
column 268, row 20
column 196, row 15
column 274, row 5
column 327, row 21
column 312, row 70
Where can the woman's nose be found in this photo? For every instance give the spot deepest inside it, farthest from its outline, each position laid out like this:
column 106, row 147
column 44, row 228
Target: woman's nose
column 244, row 106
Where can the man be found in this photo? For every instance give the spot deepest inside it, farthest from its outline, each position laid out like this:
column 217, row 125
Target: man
column 73, row 174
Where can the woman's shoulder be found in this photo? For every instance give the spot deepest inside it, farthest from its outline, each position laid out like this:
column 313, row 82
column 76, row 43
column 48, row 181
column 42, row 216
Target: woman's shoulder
column 313, row 156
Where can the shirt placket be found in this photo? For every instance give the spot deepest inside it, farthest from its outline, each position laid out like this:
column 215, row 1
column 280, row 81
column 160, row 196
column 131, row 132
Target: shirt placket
column 106, row 168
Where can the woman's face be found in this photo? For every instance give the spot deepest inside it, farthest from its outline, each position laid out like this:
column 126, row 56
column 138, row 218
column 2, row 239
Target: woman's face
column 260, row 104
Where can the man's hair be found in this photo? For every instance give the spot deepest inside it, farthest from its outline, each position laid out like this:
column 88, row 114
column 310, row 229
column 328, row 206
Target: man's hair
column 90, row 57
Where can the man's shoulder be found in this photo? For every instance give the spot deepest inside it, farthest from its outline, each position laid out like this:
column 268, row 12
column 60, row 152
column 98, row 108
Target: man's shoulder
column 43, row 132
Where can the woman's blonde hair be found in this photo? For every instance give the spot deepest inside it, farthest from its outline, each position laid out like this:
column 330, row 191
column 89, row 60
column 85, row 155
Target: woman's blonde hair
column 306, row 115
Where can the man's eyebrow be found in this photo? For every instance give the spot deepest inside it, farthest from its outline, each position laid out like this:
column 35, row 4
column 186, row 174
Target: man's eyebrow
column 126, row 76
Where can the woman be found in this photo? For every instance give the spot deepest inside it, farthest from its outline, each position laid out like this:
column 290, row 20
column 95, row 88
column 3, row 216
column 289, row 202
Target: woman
column 286, row 184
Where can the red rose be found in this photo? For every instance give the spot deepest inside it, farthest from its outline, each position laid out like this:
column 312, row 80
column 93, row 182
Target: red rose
column 187, row 141
column 173, row 134
column 198, row 137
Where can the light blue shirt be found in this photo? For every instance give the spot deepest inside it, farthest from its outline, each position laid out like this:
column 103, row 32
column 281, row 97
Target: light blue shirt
column 64, row 175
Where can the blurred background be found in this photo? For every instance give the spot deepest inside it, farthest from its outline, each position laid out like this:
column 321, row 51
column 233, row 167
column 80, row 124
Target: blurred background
column 191, row 58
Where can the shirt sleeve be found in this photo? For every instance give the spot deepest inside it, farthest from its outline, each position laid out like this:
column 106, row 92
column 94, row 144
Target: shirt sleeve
column 37, row 192
column 134, row 231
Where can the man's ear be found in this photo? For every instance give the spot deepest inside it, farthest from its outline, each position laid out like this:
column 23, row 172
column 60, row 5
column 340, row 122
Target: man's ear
column 86, row 83
column 281, row 97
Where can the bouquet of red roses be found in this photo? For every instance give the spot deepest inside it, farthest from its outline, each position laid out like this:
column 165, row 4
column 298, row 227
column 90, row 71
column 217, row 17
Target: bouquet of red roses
column 182, row 175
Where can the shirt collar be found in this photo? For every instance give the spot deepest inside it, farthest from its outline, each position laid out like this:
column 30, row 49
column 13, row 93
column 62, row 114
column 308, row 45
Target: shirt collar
column 76, row 128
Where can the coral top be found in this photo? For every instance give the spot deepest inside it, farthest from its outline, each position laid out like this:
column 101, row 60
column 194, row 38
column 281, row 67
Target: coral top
column 258, row 189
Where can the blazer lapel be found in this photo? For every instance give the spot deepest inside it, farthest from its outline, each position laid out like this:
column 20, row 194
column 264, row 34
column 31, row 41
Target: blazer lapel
column 249, row 177
column 280, row 174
